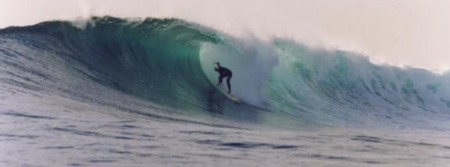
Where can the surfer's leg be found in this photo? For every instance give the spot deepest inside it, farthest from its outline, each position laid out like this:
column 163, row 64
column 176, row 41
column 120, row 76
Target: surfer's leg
column 228, row 84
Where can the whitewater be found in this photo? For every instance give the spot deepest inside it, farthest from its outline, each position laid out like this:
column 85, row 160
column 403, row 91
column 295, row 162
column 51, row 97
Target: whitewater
column 121, row 92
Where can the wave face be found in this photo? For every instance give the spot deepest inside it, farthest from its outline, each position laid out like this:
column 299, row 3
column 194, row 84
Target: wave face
column 348, row 86
column 170, row 62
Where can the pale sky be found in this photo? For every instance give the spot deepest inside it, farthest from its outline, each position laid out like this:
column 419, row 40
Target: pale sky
column 398, row 32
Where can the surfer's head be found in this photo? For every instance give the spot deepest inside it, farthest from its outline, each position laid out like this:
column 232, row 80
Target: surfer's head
column 217, row 63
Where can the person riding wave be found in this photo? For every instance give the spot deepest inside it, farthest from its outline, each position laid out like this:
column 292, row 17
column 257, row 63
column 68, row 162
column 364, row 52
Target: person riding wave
column 224, row 72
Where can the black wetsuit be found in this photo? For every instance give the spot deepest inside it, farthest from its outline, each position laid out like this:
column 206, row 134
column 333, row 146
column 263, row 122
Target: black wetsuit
column 224, row 72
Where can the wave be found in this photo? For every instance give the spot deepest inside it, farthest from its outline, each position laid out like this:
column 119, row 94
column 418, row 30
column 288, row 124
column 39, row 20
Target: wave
column 348, row 86
column 170, row 62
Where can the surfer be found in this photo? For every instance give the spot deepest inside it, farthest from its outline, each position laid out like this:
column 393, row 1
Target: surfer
column 224, row 72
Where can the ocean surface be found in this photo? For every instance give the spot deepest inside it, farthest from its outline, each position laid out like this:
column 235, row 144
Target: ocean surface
column 119, row 92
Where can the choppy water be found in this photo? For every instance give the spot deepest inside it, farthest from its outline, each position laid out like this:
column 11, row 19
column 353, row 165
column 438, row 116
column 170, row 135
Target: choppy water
column 73, row 133
column 141, row 93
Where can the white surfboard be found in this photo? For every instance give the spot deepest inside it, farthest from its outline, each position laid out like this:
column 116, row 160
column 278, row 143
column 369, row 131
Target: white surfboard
column 224, row 91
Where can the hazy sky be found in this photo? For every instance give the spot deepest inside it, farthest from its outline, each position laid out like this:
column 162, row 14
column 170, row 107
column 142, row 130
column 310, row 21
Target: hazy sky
column 399, row 32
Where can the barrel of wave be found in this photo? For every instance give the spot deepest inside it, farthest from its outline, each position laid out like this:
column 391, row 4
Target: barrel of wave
column 251, row 62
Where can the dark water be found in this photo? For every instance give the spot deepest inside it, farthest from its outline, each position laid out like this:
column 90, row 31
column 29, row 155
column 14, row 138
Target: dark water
column 141, row 93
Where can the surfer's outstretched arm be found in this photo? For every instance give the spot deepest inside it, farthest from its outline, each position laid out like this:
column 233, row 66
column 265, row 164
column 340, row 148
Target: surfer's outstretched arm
column 220, row 80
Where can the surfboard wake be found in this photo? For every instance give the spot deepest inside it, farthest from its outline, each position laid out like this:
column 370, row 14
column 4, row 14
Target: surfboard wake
column 230, row 96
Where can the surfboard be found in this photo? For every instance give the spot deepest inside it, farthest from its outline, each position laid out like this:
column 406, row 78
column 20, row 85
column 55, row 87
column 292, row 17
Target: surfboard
column 224, row 91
